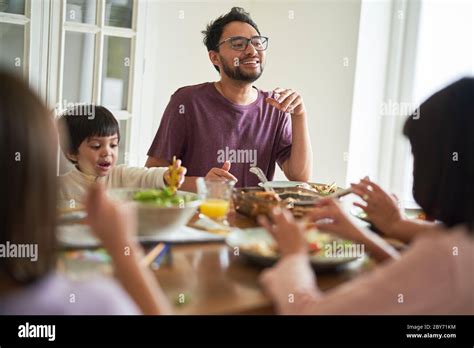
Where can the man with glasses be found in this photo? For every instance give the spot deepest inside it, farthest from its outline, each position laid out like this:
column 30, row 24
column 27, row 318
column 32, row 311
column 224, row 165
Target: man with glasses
column 220, row 129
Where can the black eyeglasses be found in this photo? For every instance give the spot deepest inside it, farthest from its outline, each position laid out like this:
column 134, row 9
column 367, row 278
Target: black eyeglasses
column 240, row 43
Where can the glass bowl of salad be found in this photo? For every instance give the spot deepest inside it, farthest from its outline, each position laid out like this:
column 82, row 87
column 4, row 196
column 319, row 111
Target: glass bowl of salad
column 159, row 210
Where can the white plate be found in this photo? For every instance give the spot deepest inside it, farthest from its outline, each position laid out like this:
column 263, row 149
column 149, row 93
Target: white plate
column 281, row 184
column 80, row 236
column 410, row 213
column 243, row 237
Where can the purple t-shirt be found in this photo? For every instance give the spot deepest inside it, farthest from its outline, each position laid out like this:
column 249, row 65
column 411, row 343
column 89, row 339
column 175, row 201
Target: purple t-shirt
column 204, row 129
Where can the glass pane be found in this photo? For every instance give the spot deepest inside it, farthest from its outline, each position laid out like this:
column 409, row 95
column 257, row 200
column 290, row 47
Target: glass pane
column 123, row 157
column 118, row 13
column 12, row 6
column 12, row 47
column 115, row 75
column 81, row 11
column 78, row 67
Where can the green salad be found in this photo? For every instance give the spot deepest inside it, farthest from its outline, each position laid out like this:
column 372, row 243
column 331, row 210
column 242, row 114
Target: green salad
column 163, row 198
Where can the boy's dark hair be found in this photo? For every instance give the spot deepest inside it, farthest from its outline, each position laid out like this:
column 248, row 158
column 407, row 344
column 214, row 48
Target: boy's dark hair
column 442, row 142
column 214, row 30
column 75, row 126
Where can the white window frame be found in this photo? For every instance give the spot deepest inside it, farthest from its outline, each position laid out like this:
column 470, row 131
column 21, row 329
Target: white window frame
column 35, row 52
column 136, row 34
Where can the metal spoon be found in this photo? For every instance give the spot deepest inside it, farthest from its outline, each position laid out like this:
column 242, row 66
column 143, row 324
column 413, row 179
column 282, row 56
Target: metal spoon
column 263, row 179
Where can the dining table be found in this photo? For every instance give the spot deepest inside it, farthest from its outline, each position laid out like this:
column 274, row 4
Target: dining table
column 211, row 278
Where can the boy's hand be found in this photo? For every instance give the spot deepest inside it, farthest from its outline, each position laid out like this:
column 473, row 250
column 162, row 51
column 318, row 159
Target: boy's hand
column 288, row 234
column 175, row 175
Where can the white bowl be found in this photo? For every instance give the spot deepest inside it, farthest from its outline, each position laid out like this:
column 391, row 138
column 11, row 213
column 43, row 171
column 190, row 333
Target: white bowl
column 153, row 219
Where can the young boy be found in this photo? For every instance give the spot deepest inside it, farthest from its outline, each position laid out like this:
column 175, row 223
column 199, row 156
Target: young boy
column 90, row 141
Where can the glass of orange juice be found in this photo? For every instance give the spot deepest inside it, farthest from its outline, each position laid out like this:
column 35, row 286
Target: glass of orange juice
column 216, row 196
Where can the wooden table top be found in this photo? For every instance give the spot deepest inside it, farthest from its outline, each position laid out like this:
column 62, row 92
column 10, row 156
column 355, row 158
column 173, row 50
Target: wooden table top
column 208, row 278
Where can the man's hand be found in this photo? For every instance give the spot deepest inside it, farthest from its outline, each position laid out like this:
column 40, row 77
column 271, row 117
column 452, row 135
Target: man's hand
column 221, row 173
column 287, row 100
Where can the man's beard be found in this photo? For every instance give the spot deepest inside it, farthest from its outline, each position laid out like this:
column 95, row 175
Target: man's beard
column 238, row 75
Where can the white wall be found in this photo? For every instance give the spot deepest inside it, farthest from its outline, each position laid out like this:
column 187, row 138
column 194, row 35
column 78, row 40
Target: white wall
column 307, row 52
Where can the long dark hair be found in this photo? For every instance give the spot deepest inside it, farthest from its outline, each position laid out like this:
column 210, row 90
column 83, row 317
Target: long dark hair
column 442, row 142
column 28, row 175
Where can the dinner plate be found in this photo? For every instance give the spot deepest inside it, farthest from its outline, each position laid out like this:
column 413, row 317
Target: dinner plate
column 410, row 213
column 289, row 184
column 281, row 184
column 79, row 236
column 242, row 239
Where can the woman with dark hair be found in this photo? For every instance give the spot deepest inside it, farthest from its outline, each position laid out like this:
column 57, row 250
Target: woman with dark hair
column 435, row 275
column 28, row 197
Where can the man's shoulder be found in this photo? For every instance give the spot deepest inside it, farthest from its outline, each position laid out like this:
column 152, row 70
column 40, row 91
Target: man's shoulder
column 190, row 91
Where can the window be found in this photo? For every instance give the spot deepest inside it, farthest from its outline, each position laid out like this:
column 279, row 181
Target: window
column 14, row 36
column 445, row 53
column 97, row 49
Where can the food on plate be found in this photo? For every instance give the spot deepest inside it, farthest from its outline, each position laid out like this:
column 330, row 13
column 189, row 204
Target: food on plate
column 162, row 198
column 325, row 190
column 253, row 201
column 421, row 216
column 318, row 245
column 272, row 196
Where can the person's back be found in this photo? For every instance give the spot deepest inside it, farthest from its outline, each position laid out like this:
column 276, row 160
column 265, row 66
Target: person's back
column 54, row 294
column 29, row 283
column 432, row 277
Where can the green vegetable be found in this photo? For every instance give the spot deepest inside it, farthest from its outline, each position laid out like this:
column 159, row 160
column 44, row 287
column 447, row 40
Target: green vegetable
column 162, row 198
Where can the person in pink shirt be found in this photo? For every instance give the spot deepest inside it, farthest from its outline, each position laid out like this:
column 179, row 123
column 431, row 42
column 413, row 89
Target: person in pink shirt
column 434, row 276
column 29, row 282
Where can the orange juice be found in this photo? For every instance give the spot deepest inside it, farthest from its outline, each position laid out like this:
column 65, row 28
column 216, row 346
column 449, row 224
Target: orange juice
column 215, row 208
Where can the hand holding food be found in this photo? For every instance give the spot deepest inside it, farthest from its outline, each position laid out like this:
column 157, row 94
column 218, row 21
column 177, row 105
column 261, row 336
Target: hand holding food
column 330, row 217
column 382, row 209
column 174, row 176
column 287, row 100
column 221, row 173
column 288, row 234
